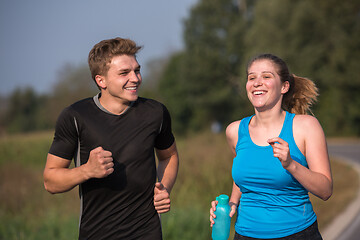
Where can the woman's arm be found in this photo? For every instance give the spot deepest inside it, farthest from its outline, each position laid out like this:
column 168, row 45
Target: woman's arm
column 231, row 137
column 232, row 134
column 310, row 138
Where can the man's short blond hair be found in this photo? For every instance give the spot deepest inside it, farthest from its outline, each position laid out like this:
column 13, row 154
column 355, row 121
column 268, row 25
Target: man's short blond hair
column 102, row 53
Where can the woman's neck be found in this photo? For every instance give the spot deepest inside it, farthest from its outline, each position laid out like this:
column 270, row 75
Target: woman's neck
column 269, row 118
column 266, row 125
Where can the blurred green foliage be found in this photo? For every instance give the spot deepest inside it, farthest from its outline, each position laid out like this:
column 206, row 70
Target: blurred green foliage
column 28, row 212
column 318, row 39
column 26, row 111
column 205, row 82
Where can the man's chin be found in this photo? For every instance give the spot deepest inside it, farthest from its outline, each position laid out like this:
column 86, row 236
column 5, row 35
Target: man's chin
column 133, row 98
column 136, row 97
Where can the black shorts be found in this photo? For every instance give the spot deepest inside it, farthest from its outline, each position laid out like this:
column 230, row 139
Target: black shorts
column 310, row 233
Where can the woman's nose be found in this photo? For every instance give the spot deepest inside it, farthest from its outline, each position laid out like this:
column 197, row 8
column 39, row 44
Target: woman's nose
column 257, row 82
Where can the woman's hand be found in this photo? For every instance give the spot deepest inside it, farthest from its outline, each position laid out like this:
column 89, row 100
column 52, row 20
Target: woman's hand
column 281, row 151
column 232, row 205
column 212, row 210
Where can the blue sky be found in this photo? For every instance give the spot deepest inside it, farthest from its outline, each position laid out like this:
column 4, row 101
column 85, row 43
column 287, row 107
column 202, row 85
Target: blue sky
column 39, row 37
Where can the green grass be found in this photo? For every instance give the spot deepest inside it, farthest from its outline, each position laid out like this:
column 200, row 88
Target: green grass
column 28, row 212
column 26, row 149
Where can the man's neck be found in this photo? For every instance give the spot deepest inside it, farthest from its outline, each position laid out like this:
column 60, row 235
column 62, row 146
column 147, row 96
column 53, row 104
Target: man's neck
column 112, row 105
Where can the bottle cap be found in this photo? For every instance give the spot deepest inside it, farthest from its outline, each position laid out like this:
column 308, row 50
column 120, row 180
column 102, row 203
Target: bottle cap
column 223, row 199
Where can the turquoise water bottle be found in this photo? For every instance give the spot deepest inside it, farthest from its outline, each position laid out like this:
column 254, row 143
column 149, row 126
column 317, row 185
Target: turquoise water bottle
column 221, row 228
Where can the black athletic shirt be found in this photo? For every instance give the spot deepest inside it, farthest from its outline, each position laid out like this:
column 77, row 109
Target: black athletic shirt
column 119, row 206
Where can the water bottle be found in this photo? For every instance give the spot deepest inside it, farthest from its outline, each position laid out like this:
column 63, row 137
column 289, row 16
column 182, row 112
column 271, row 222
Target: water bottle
column 221, row 228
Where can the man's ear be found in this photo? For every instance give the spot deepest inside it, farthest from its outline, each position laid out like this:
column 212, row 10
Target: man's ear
column 100, row 81
column 285, row 87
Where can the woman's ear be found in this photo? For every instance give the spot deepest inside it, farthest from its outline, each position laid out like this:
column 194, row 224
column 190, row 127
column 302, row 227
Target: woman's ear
column 285, row 87
column 100, row 81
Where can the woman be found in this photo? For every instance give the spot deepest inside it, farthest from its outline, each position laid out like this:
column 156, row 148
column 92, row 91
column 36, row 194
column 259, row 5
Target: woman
column 280, row 154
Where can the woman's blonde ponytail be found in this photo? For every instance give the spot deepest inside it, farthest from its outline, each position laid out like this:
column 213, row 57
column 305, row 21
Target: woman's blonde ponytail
column 301, row 95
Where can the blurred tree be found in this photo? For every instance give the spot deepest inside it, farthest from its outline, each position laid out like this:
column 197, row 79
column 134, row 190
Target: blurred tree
column 27, row 111
column 22, row 112
column 205, row 82
column 199, row 84
column 319, row 40
column 3, row 108
column 74, row 83
column 150, row 81
column 174, row 92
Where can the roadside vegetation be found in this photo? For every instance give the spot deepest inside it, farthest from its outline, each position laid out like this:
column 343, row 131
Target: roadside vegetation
column 28, row 212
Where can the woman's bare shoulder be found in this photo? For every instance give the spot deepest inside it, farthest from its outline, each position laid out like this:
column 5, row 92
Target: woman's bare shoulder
column 232, row 128
column 306, row 122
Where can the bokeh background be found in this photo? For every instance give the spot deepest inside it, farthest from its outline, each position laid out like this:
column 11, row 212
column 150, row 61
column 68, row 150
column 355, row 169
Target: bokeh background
column 193, row 59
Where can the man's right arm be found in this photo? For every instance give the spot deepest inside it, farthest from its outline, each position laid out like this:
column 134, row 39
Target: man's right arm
column 59, row 178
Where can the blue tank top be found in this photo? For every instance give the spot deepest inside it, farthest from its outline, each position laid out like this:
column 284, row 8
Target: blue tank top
column 273, row 203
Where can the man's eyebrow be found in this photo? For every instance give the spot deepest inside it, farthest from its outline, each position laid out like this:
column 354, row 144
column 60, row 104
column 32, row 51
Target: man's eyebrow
column 129, row 69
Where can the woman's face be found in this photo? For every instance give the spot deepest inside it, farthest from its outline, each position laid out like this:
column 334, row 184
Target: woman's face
column 264, row 87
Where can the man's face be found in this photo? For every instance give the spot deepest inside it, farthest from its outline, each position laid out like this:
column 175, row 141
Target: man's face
column 123, row 79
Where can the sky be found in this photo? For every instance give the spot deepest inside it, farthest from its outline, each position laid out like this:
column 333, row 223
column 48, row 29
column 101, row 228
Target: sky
column 39, row 37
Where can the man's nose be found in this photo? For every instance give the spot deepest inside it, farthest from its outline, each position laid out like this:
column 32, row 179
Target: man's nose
column 135, row 77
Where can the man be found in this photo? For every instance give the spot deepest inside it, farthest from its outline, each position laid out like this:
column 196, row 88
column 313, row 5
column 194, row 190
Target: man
column 112, row 138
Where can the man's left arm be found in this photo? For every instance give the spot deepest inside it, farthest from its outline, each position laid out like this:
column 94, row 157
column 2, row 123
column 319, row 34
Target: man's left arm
column 167, row 171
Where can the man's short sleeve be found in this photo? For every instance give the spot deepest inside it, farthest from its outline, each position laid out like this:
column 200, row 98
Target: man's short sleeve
column 65, row 140
column 165, row 138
